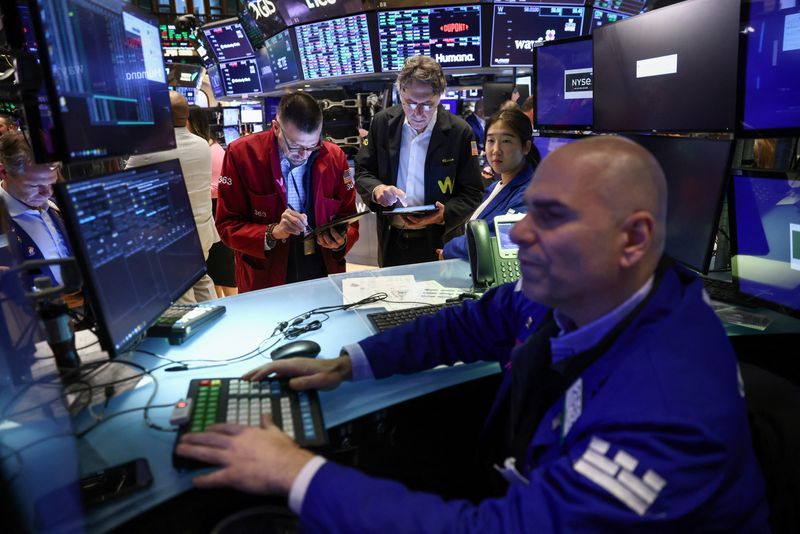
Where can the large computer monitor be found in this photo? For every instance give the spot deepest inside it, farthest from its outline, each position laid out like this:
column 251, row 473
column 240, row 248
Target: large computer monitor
column 764, row 213
column 563, row 88
column 176, row 42
column 494, row 95
column 231, row 134
column 335, row 48
column 230, row 116
column 185, row 75
column 240, row 77
column 697, row 172
column 227, row 40
column 451, row 35
column 266, row 16
column 770, row 71
column 106, row 78
column 252, row 113
column 601, row 17
column 282, row 58
column 671, row 70
column 135, row 238
column 517, row 27
column 630, row 7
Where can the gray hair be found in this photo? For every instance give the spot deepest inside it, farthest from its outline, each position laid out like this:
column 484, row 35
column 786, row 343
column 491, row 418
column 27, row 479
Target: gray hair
column 423, row 69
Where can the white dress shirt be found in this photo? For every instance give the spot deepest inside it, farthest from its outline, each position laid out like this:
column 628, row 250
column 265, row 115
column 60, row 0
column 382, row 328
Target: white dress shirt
column 411, row 168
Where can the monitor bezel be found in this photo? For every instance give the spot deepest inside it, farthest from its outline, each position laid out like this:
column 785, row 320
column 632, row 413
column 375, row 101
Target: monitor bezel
column 734, row 238
column 535, row 89
column 90, row 288
column 217, row 24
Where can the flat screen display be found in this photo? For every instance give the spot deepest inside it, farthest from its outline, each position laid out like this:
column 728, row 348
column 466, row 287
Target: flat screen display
column 231, row 134
column 230, row 116
column 766, row 238
column 240, row 77
column 564, row 85
column 252, row 113
column 266, row 16
column 215, row 81
column 171, row 37
column 189, row 93
column 184, row 75
column 303, row 11
column 697, row 172
column 251, row 28
column 517, row 27
column 601, row 17
column 771, row 102
column 228, row 41
column 669, row 70
column 545, row 145
column 450, row 104
column 107, row 74
column 281, row 58
column 337, row 47
column 630, row 7
column 451, row 35
column 135, row 238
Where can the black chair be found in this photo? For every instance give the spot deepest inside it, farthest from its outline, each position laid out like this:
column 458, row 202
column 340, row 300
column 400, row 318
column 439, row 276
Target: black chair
column 773, row 406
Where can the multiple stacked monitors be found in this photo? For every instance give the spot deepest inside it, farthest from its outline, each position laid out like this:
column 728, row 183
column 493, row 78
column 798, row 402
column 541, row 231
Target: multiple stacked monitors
column 517, row 27
column 771, row 80
column 766, row 238
column 697, row 173
column 134, row 235
column 601, row 17
column 673, row 69
column 109, row 83
column 332, row 48
column 563, row 96
column 281, row 58
column 451, row 35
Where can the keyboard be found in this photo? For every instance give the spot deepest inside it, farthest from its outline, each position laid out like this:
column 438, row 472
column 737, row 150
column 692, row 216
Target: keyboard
column 389, row 319
column 181, row 321
column 232, row 400
column 721, row 290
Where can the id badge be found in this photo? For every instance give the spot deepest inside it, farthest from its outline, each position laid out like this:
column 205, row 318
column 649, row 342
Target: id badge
column 309, row 246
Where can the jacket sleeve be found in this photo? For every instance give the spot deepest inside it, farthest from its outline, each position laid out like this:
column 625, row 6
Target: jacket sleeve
column 366, row 160
column 456, row 248
column 476, row 330
column 664, row 481
column 468, row 188
column 233, row 211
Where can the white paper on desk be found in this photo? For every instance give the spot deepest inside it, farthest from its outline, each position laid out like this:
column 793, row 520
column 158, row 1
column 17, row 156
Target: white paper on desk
column 396, row 287
column 428, row 292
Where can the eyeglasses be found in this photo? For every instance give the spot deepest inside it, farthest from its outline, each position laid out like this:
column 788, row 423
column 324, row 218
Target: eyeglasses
column 298, row 149
column 414, row 106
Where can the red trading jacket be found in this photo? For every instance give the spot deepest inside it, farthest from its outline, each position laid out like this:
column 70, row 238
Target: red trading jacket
column 252, row 194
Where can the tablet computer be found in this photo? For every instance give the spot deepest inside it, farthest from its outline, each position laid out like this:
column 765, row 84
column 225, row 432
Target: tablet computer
column 427, row 209
column 340, row 222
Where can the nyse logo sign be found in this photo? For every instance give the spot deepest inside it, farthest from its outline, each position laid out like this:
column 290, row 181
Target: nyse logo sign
column 262, row 8
column 577, row 84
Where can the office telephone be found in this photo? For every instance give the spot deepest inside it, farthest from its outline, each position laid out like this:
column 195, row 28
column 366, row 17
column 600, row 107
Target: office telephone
column 493, row 259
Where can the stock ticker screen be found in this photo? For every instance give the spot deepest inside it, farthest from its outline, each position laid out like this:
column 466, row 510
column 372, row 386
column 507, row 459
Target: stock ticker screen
column 240, row 77
column 281, row 58
column 451, row 35
column 602, row 18
column 516, row 27
column 338, row 47
column 629, row 7
column 229, row 42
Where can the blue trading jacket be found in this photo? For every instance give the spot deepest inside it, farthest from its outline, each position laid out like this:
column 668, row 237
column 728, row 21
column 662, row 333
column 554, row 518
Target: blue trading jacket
column 657, row 442
column 509, row 200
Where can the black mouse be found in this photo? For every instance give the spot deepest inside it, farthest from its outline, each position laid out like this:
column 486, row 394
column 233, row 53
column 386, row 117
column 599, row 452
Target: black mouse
column 302, row 348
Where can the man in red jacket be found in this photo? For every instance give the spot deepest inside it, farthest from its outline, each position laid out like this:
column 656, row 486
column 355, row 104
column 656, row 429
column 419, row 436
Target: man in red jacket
column 277, row 186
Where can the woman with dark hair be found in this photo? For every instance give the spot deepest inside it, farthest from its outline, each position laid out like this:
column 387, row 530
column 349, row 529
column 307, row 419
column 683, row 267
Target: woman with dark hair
column 220, row 261
column 513, row 158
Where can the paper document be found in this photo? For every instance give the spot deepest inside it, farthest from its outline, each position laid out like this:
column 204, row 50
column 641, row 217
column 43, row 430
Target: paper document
column 396, row 287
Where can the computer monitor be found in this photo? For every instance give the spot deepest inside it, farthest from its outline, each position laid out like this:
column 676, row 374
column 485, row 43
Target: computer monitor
column 697, row 173
column 230, row 116
column 188, row 93
column 227, row 40
column 563, row 89
column 215, row 81
column 450, row 104
column 494, row 95
column 39, row 460
column 135, row 238
column 266, row 16
column 335, row 48
column 601, row 17
column 252, row 113
column 764, row 211
column 545, row 145
column 282, row 58
column 240, row 77
column 251, row 28
column 451, row 35
column 106, row 79
column 231, row 134
column 516, row 27
column 770, row 72
column 669, row 70
column 629, row 7
column 185, row 75
column 172, row 38
column 304, row 11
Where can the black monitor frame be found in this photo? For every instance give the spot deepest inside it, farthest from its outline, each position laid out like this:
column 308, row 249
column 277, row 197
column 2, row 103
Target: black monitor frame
column 493, row 94
column 535, row 89
column 218, row 24
column 734, row 237
column 92, row 285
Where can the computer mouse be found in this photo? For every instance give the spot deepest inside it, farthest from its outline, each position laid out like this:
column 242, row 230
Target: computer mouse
column 302, row 348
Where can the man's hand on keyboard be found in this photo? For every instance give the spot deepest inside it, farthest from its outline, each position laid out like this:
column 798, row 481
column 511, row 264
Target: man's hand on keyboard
column 306, row 373
column 256, row 460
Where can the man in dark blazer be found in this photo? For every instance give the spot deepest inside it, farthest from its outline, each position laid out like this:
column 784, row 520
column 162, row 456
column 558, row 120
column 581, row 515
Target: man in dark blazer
column 417, row 154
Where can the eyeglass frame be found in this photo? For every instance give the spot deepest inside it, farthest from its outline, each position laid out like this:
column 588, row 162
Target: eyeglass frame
column 298, row 149
column 413, row 106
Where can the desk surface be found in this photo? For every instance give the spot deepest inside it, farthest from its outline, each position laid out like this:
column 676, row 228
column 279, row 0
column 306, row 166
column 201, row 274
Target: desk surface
column 249, row 320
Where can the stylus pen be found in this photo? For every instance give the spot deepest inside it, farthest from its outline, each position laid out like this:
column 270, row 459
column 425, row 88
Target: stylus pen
column 307, row 230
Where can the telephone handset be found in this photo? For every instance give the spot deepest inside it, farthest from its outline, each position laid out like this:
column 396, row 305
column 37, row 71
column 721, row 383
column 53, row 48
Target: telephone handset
column 492, row 259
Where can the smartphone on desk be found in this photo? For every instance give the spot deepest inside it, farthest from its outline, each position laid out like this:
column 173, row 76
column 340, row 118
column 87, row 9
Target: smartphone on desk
column 116, row 481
